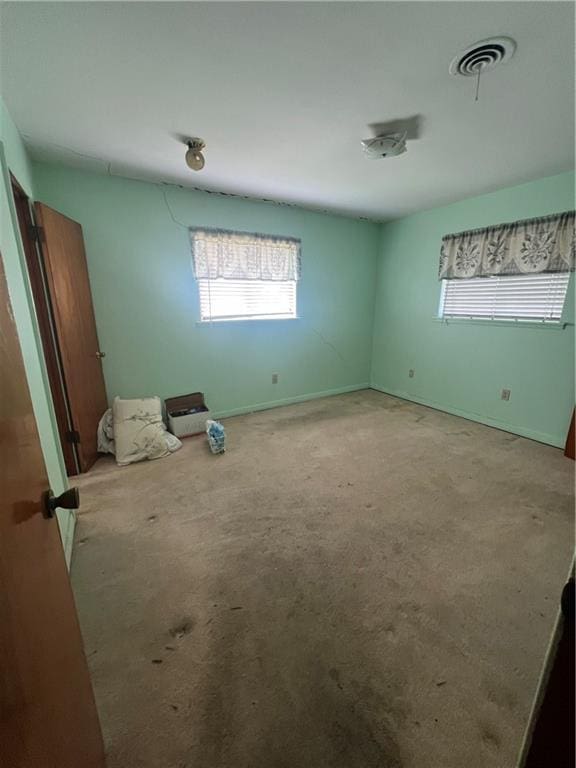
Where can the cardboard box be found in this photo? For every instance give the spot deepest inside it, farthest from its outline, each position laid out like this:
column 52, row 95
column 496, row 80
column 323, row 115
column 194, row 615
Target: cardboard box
column 187, row 414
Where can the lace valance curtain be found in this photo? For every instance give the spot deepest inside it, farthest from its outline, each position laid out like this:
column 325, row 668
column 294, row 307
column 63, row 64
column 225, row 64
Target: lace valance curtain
column 529, row 246
column 244, row 256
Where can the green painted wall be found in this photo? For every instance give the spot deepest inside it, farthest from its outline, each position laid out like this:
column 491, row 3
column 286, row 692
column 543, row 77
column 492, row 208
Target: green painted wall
column 147, row 306
column 13, row 158
column 462, row 367
column 146, row 299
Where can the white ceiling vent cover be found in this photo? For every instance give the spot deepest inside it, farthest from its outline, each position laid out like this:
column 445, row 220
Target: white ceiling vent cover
column 482, row 56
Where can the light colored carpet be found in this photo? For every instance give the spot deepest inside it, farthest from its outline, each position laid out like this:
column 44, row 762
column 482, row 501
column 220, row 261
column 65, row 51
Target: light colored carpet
column 359, row 582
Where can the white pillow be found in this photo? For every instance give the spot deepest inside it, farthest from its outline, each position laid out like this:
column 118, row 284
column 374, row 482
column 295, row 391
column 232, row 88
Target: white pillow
column 139, row 431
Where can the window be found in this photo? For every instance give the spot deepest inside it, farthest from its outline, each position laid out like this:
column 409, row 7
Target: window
column 222, row 299
column 245, row 276
column 536, row 297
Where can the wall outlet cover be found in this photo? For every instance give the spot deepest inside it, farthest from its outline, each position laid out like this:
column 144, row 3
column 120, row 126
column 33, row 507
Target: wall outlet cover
column 274, row 378
column 411, row 373
column 505, row 394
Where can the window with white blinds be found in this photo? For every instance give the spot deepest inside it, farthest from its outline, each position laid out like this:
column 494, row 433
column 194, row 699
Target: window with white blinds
column 536, row 297
column 224, row 299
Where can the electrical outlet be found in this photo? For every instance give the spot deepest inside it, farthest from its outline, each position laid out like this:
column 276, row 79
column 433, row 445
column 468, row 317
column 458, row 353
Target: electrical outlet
column 274, row 378
column 505, row 394
column 411, row 373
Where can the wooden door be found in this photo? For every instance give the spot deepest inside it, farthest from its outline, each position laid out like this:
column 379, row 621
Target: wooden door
column 549, row 741
column 69, row 288
column 34, row 263
column 47, row 713
column 570, row 448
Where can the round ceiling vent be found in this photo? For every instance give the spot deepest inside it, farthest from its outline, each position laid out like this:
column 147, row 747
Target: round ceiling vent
column 481, row 56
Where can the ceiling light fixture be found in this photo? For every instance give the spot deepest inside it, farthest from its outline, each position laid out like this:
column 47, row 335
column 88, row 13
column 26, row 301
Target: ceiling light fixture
column 194, row 157
column 386, row 145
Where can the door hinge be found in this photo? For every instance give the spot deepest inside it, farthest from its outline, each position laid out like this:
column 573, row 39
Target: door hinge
column 37, row 233
column 73, row 436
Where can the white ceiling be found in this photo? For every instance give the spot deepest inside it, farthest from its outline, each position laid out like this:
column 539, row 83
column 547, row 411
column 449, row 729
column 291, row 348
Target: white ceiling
column 282, row 93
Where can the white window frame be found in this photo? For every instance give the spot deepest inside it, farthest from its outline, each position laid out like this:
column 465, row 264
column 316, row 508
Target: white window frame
column 208, row 290
column 245, row 276
column 549, row 308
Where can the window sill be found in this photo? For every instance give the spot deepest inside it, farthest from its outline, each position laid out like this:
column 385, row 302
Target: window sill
column 487, row 323
column 247, row 321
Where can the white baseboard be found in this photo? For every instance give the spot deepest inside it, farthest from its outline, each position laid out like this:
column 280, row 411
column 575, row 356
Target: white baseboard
column 289, row 400
column 532, row 434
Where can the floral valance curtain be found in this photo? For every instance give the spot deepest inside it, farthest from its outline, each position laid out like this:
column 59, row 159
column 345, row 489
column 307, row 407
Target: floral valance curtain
column 533, row 245
column 244, row 256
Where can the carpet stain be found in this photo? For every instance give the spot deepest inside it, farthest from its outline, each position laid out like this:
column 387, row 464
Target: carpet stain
column 500, row 695
column 335, row 676
column 182, row 628
column 390, row 631
column 357, row 747
column 490, row 737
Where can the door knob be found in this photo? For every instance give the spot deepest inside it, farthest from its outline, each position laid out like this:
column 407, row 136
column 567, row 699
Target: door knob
column 70, row 499
column 100, row 355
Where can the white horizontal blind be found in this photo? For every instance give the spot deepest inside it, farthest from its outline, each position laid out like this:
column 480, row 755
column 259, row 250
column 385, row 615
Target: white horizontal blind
column 507, row 297
column 223, row 299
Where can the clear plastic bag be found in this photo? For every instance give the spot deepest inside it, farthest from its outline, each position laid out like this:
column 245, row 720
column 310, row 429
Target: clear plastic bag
column 216, row 436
